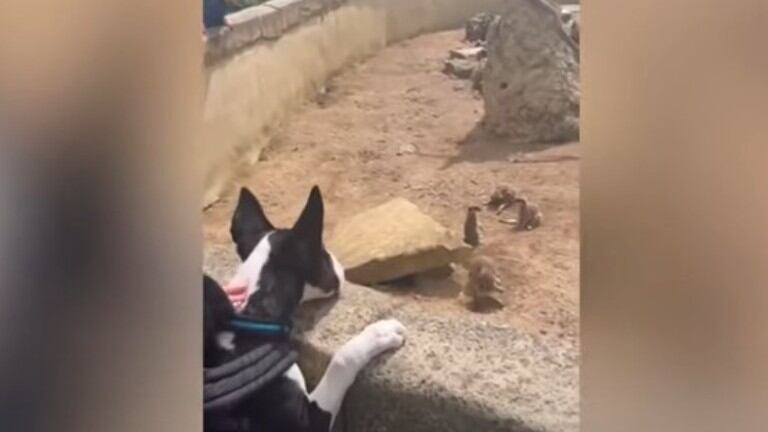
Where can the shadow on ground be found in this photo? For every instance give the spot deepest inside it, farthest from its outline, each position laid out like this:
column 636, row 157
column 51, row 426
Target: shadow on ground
column 481, row 146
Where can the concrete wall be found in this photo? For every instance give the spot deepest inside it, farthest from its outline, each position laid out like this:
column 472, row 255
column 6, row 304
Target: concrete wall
column 279, row 54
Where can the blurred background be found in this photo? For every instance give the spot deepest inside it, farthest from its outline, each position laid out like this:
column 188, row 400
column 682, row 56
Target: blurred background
column 105, row 168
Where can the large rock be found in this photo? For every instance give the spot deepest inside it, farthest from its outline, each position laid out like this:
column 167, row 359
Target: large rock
column 393, row 240
column 531, row 78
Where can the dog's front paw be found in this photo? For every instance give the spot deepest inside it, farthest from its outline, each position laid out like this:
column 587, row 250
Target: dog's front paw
column 375, row 339
column 384, row 335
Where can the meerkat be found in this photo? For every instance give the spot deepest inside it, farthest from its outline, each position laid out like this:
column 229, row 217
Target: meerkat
column 529, row 216
column 501, row 199
column 483, row 284
column 472, row 227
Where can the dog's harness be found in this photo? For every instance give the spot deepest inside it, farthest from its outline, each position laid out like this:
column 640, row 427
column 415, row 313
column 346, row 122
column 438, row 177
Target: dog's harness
column 224, row 386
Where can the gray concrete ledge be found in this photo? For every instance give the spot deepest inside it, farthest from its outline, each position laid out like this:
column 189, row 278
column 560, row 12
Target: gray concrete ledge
column 451, row 376
column 266, row 21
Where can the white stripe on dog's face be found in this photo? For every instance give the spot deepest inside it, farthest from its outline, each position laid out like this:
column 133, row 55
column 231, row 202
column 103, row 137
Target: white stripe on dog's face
column 250, row 269
column 312, row 292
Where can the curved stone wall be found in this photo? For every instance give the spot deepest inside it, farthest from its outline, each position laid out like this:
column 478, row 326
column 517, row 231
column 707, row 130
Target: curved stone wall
column 277, row 55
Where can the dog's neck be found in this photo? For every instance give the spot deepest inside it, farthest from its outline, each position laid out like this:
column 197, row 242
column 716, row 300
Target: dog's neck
column 229, row 343
column 271, row 306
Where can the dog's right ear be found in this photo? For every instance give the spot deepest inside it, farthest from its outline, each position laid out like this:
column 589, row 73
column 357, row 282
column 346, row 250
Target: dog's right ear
column 249, row 223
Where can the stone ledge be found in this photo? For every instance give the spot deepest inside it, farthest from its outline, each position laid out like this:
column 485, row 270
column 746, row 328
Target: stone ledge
column 451, row 376
column 266, row 21
column 311, row 8
column 289, row 10
column 245, row 28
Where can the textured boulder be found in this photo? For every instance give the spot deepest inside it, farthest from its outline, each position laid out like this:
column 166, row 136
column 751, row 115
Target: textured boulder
column 531, row 77
column 393, row 240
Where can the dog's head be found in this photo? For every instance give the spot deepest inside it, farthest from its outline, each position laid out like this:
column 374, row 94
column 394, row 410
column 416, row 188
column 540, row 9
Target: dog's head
column 282, row 267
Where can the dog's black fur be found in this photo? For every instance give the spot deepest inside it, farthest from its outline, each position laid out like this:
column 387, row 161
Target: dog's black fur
column 281, row 406
column 297, row 258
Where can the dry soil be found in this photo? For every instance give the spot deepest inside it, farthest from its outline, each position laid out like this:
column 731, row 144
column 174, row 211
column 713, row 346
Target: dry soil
column 395, row 125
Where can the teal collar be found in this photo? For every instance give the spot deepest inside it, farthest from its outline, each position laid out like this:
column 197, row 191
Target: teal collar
column 268, row 328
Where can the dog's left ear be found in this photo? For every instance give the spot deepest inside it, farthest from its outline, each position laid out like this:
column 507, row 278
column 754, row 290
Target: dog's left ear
column 249, row 223
column 309, row 226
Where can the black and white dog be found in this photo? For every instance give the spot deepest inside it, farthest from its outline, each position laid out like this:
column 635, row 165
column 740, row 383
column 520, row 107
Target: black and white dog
column 283, row 268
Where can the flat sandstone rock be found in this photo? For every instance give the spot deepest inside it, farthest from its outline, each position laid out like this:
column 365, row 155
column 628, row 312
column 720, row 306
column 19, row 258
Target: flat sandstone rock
column 393, row 240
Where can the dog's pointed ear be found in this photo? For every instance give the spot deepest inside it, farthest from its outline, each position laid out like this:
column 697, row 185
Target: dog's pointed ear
column 249, row 223
column 309, row 226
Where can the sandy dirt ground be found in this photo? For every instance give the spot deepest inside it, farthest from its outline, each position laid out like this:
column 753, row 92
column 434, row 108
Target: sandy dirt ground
column 395, row 125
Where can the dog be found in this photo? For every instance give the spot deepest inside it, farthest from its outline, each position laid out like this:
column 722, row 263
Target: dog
column 283, row 268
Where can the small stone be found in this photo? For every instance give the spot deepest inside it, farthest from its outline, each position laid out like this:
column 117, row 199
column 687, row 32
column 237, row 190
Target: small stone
column 406, row 149
column 462, row 69
column 477, row 76
column 471, row 53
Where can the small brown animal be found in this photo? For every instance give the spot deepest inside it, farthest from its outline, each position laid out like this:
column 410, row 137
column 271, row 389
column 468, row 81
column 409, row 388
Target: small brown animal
column 472, row 227
column 529, row 215
column 501, row 198
column 484, row 284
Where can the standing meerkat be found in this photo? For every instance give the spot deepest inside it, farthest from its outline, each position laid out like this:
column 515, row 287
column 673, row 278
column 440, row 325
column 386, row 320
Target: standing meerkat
column 484, row 284
column 472, row 227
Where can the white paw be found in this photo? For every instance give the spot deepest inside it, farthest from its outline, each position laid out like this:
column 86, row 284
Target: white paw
column 377, row 338
column 383, row 336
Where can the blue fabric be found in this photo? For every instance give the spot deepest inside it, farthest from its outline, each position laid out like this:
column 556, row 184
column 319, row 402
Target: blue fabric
column 213, row 13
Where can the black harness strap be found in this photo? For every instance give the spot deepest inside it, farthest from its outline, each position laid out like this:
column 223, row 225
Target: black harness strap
column 231, row 382
column 226, row 424
column 227, row 384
